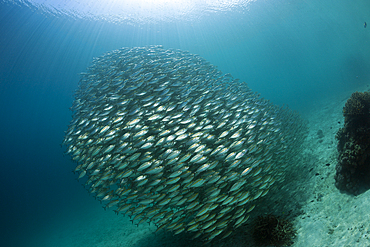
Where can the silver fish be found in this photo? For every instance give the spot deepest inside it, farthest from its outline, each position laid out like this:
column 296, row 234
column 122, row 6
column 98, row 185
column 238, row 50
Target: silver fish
column 163, row 136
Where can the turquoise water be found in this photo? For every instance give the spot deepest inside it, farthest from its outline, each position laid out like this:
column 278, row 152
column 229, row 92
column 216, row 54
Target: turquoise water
column 292, row 52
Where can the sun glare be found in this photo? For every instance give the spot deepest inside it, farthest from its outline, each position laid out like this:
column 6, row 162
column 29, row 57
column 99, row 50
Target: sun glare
column 133, row 10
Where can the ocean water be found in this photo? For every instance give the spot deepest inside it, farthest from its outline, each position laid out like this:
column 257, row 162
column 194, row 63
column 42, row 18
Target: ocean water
column 294, row 53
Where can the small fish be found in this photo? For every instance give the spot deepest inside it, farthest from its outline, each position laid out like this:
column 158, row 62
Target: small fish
column 162, row 135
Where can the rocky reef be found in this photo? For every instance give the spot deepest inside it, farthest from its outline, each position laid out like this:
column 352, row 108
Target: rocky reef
column 273, row 230
column 353, row 167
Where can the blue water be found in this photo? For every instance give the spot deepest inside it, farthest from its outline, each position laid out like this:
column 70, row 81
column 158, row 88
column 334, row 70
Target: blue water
column 292, row 52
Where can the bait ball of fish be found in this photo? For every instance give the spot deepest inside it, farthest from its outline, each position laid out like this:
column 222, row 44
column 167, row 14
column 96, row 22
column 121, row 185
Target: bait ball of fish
column 163, row 136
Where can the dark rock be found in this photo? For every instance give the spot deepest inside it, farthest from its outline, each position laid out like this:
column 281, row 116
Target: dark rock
column 353, row 168
column 273, row 230
column 320, row 134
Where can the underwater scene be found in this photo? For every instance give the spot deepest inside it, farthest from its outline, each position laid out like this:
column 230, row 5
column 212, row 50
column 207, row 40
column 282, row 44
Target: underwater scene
column 185, row 123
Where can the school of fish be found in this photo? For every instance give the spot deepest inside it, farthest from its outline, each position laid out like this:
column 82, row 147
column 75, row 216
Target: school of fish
column 163, row 136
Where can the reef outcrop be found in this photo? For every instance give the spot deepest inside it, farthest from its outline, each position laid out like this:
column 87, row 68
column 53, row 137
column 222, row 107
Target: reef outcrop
column 273, row 230
column 353, row 167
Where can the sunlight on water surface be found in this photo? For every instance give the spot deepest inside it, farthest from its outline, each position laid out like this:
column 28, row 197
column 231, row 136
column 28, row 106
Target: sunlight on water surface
column 138, row 11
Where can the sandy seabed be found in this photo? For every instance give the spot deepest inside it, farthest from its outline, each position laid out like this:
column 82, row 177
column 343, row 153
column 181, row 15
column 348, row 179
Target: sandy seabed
column 322, row 215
